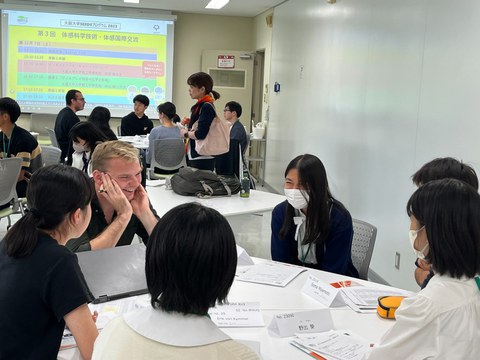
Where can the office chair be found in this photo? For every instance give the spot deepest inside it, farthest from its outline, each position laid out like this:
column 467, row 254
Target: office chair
column 168, row 155
column 9, row 171
column 53, row 137
column 50, row 155
column 364, row 235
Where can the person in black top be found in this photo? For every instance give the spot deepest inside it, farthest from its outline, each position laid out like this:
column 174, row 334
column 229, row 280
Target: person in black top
column 120, row 207
column 137, row 123
column 203, row 112
column 18, row 142
column 42, row 288
column 65, row 120
column 100, row 117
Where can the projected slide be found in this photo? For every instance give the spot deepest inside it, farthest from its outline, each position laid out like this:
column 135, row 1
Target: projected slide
column 110, row 60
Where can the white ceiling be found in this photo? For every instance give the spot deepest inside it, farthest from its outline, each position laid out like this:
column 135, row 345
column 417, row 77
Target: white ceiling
column 248, row 8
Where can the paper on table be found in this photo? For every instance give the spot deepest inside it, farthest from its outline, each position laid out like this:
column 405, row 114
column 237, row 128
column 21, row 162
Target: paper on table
column 237, row 314
column 155, row 183
column 333, row 345
column 365, row 299
column 270, row 273
column 243, row 258
column 108, row 311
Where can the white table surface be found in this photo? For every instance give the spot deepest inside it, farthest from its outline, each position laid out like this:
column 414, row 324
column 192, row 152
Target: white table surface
column 259, row 201
column 277, row 300
column 140, row 142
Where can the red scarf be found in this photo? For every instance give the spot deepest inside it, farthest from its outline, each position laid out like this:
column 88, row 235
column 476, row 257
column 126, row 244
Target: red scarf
column 196, row 107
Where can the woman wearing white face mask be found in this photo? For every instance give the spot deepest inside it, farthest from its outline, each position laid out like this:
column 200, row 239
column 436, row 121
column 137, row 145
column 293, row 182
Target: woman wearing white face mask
column 85, row 137
column 312, row 228
column 443, row 320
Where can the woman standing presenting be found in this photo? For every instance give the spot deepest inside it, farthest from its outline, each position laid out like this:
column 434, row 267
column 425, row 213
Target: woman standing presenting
column 203, row 112
column 41, row 285
column 312, row 228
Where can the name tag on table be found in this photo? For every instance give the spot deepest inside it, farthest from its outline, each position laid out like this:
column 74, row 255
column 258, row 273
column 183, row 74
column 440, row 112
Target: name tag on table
column 323, row 292
column 237, row 314
column 284, row 325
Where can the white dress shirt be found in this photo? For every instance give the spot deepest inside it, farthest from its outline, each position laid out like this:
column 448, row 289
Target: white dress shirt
column 441, row 322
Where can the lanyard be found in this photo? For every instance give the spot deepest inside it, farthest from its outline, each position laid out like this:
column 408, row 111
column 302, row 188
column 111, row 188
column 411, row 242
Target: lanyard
column 305, row 256
column 7, row 150
column 477, row 280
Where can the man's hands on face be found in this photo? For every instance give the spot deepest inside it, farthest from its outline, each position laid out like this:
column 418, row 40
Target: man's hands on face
column 140, row 203
column 111, row 191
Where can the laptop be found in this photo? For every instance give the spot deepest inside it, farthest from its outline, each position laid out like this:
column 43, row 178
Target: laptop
column 114, row 273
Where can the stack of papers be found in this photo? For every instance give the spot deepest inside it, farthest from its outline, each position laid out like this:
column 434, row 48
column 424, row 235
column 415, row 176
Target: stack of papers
column 269, row 273
column 364, row 299
column 332, row 345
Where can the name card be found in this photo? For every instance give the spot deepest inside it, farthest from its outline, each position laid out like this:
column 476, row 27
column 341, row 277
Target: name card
column 323, row 292
column 237, row 314
column 290, row 324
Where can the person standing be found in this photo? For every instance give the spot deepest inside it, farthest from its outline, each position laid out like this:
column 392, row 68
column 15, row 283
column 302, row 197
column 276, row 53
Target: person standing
column 137, row 123
column 18, row 142
column 203, row 112
column 66, row 118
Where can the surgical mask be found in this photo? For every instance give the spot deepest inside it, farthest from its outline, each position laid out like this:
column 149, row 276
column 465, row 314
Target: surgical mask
column 80, row 148
column 412, row 235
column 297, row 198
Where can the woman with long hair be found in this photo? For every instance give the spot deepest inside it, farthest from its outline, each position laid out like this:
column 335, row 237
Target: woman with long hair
column 42, row 288
column 100, row 117
column 203, row 112
column 442, row 321
column 312, row 228
column 85, row 137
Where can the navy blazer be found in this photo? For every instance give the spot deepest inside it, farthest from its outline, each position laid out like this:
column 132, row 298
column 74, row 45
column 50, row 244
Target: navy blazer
column 335, row 256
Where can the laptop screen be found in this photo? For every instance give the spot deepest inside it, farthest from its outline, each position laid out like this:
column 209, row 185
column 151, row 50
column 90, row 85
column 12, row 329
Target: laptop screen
column 114, row 273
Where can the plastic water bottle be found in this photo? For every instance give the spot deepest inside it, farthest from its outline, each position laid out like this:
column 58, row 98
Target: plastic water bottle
column 245, row 186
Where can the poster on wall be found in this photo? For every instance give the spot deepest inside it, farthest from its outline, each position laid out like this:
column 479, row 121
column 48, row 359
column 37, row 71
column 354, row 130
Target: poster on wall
column 226, row 61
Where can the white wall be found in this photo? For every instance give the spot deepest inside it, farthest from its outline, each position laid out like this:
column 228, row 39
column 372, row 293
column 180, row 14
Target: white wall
column 194, row 33
column 386, row 86
column 263, row 41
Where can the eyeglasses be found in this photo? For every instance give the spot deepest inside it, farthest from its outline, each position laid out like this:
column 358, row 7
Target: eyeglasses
column 225, row 110
column 81, row 99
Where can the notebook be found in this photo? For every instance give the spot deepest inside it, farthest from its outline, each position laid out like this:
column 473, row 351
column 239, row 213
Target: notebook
column 114, row 273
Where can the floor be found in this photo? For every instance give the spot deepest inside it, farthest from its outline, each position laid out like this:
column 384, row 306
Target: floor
column 252, row 232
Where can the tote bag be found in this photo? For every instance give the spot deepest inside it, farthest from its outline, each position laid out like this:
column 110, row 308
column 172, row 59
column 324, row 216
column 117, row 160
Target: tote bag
column 217, row 141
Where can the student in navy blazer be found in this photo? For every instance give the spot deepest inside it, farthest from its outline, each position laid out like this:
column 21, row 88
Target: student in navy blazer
column 312, row 228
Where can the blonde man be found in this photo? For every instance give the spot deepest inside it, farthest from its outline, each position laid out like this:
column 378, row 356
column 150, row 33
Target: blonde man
column 121, row 207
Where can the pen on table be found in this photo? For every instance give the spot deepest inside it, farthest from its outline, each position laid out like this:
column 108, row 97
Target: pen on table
column 307, row 351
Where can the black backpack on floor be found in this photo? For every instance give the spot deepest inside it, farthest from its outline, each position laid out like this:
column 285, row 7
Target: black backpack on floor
column 204, row 183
